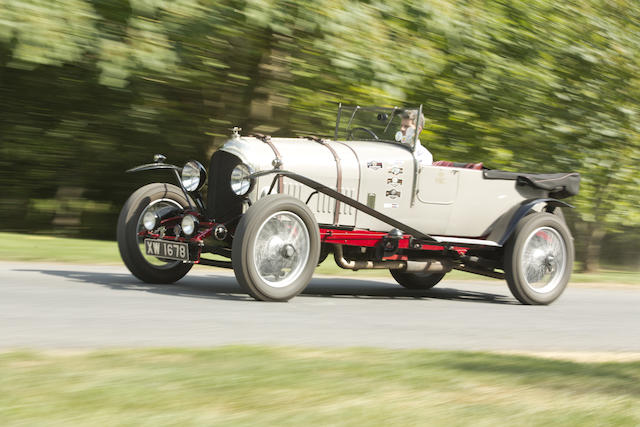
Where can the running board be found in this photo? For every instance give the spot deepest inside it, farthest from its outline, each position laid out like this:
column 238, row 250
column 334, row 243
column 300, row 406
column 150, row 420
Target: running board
column 464, row 241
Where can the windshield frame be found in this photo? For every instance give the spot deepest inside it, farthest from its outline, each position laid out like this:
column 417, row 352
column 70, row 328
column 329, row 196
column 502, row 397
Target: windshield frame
column 392, row 111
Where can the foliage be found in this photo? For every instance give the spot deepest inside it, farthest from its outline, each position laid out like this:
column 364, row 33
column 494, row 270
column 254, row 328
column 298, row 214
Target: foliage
column 92, row 87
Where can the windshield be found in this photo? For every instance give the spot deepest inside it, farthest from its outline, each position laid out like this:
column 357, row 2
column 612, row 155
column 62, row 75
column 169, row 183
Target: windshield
column 377, row 124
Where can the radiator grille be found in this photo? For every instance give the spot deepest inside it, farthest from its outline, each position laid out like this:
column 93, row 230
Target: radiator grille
column 222, row 203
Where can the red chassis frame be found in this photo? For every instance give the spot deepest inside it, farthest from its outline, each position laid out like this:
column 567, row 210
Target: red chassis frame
column 369, row 239
column 358, row 238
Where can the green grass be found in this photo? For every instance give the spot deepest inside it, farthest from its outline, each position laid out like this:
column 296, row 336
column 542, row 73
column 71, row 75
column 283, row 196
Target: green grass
column 29, row 247
column 18, row 247
column 279, row 386
column 608, row 276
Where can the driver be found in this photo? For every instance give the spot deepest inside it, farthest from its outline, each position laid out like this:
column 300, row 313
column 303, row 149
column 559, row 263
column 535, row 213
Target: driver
column 407, row 133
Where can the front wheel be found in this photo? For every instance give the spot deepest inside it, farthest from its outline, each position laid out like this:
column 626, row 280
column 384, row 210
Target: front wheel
column 157, row 198
column 422, row 281
column 276, row 248
column 539, row 259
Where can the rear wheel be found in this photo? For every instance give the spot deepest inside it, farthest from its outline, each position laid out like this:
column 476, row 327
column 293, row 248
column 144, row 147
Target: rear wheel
column 275, row 248
column 157, row 198
column 539, row 259
column 417, row 280
column 325, row 250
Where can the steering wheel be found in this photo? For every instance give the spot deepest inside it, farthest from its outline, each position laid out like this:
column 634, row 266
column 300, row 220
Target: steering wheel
column 369, row 131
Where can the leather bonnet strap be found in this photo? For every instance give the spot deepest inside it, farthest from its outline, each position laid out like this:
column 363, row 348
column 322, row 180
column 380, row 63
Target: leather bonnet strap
column 267, row 140
column 336, row 213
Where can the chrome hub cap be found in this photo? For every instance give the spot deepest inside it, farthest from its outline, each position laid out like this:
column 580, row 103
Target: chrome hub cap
column 544, row 259
column 288, row 251
column 281, row 249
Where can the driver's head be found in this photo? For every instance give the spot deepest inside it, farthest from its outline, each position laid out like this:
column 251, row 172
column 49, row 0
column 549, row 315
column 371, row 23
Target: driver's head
column 409, row 121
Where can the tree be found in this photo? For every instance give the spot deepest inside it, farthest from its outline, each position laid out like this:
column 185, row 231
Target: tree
column 92, row 87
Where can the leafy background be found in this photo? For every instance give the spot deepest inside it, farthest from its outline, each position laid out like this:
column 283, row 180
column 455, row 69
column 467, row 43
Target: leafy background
column 89, row 88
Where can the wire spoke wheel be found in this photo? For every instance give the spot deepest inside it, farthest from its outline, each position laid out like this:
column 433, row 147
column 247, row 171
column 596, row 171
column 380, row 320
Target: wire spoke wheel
column 421, row 281
column 276, row 248
column 281, row 249
column 159, row 199
column 539, row 258
column 544, row 259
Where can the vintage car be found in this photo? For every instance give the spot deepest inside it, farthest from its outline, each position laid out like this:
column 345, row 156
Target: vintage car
column 276, row 207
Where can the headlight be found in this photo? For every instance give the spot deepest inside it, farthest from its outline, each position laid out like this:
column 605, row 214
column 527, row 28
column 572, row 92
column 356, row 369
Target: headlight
column 149, row 220
column 240, row 181
column 193, row 176
column 189, row 224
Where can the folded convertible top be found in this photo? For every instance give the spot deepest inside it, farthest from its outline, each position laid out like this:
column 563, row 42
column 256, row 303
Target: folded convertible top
column 559, row 185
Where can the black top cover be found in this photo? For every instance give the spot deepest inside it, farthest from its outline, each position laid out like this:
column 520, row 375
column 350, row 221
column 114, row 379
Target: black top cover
column 559, row 185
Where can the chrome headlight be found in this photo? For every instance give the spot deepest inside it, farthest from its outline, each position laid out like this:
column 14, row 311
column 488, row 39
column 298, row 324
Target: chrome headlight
column 149, row 220
column 240, row 181
column 189, row 224
column 194, row 175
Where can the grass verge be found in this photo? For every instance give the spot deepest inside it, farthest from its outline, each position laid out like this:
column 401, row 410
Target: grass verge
column 280, row 386
column 19, row 247
column 31, row 247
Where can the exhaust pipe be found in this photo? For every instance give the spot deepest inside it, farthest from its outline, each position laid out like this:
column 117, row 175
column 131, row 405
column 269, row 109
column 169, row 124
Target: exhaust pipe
column 430, row 266
column 405, row 266
column 338, row 255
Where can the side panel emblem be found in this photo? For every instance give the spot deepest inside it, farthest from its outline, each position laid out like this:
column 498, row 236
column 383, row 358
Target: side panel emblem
column 375, row 165
column 394, row 182
column 393, row 193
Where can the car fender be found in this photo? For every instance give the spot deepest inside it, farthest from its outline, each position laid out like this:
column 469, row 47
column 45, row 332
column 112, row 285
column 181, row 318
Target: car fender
column 176, row 171
column 153, row 166
column 506, row 224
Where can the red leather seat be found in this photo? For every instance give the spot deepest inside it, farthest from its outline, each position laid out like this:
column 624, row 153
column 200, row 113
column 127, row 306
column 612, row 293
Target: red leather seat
column 446, row 163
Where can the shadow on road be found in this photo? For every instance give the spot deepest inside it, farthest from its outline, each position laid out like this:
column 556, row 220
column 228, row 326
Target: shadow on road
column 356, row 288
column 225, row 287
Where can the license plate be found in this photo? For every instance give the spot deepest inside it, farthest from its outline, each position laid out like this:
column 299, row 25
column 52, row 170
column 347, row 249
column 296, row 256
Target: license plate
column 168, row 250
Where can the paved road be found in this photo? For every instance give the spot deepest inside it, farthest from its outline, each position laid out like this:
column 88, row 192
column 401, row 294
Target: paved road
column 66, row 306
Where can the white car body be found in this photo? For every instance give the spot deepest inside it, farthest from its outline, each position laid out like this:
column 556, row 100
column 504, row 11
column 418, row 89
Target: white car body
column 439, row 201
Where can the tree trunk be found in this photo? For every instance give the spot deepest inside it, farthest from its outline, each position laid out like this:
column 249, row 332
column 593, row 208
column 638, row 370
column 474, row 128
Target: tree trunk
column 591, row 256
